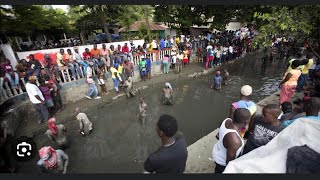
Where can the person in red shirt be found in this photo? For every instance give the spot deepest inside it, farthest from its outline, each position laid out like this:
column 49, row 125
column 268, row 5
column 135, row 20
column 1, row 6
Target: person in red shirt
column 87, row 56
column 189, row 53
column 125, row 49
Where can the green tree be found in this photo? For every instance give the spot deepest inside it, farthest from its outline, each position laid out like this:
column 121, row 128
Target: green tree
column 31, row 20
column 99, row 15
column 185, row 16
column 299, row 22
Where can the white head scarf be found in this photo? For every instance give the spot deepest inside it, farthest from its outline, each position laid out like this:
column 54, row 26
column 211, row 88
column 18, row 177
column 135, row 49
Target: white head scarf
column 168, row 85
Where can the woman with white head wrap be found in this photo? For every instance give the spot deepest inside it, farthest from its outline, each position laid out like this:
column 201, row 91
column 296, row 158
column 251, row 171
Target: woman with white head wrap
column 167, row 92
column 128, row 84
column 168, row 85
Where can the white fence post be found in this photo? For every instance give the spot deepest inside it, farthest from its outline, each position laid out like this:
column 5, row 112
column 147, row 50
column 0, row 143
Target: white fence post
column 63, row 76
column 68, row 75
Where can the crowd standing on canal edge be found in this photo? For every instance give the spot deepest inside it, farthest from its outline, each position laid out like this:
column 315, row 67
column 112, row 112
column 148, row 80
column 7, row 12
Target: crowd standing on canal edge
column 212, row 50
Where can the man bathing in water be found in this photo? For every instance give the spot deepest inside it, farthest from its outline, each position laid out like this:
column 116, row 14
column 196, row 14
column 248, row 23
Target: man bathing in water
column 226, row 77
column 84, row 123
column 142, row 112
column 167, row 93
column 129, row 89
column 217, row 81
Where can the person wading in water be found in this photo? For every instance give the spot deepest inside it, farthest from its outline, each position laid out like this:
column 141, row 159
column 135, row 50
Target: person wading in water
column 129, row 89
column 84, row 123
column 142, row 112
column 226, row 77
column 167, row 93
column 57, row 133
column 52, row 161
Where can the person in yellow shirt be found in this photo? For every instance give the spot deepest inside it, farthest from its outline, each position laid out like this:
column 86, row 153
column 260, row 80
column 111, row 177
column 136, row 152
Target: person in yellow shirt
column 120, row 71
column 61, row 59
column 178, row 41
column 150, row 47
column 299, row 57
column 305, row 71
column 115, row 76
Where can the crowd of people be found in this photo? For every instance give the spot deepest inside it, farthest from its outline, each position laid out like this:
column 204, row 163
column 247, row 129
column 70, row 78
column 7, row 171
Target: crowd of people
column 48, row 44
column 242, row 122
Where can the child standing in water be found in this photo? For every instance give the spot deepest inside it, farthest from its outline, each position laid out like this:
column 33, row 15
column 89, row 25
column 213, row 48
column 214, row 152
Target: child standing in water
column 217, row 81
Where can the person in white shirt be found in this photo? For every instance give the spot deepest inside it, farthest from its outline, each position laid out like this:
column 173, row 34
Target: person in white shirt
column 230, row 143
column 37, row 99
column 78, row 58
column 218, row 55
column 225, row 53
column 173, row 58
column 171, row 42
column 230, row 55
column 93, row 88
column 182, row 38
column 154, row 45
column 166, row 44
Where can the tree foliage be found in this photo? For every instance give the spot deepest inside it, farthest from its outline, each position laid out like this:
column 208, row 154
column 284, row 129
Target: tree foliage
column 298, row 22
column 31, row 20
column 98, row 16
column 185, row 16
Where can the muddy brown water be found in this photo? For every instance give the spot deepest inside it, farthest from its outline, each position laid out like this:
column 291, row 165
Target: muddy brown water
column 119, row 145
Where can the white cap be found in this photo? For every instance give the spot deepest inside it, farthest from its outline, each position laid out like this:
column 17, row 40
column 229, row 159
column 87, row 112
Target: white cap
column 246, row 90
column 209, row 47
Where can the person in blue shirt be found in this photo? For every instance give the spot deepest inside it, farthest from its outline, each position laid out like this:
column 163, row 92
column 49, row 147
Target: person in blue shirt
column 162, row 44
column 217, row 81
column 148, row 60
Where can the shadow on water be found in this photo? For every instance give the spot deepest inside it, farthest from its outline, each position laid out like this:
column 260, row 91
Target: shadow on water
column 119, row 144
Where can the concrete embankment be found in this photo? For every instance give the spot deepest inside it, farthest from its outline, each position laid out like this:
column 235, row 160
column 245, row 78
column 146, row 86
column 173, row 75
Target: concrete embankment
column 200, row 152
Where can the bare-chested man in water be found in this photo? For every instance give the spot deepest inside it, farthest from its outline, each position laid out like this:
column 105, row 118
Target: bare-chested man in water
column 226, row 77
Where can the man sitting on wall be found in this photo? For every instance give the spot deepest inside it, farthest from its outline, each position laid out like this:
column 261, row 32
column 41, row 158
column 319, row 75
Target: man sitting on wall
column 62, row 63
column 105, row 57
column 73, row 65
column 22, row 68
column 77, row 57
column 95, row 52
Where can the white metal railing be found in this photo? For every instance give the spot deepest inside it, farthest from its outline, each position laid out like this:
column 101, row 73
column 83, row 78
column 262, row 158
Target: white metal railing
column 7, row 91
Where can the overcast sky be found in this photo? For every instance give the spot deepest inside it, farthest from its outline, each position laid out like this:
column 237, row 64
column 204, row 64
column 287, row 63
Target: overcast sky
column 64, row 7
